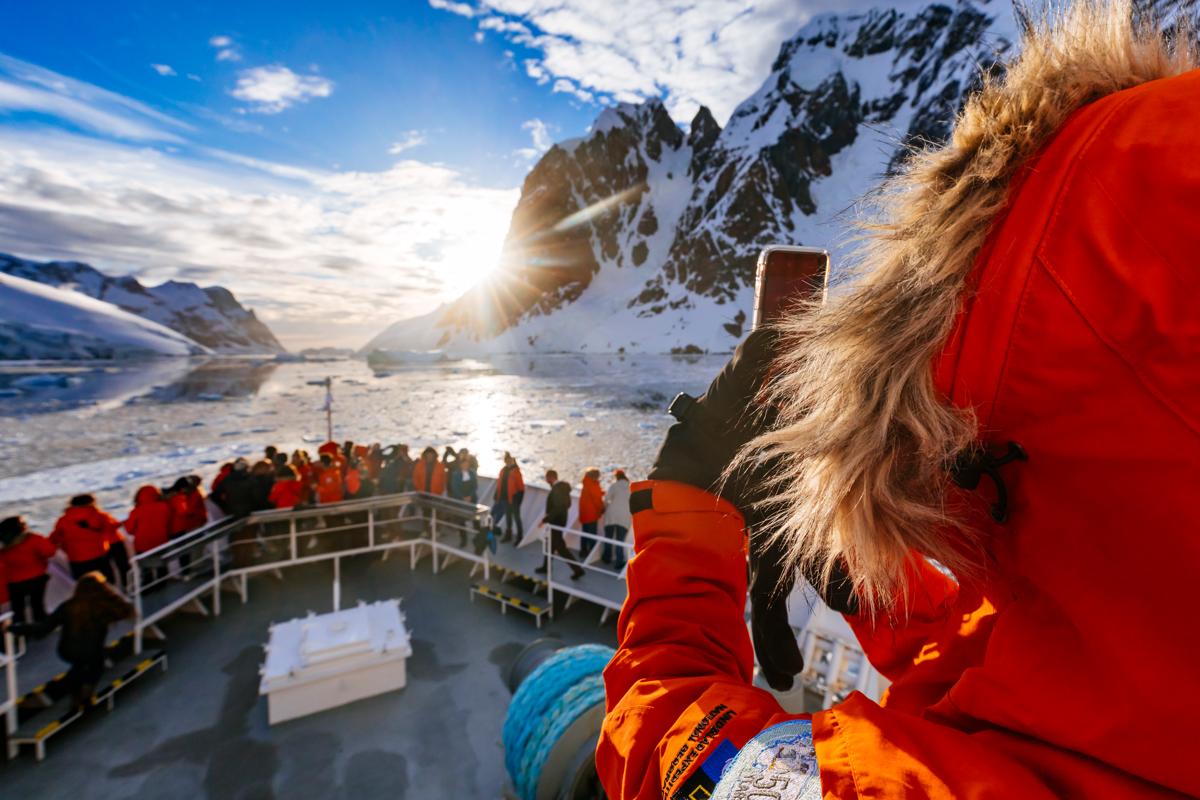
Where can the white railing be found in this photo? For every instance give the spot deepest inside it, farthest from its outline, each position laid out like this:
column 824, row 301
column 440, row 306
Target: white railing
column 182, row 572
column 602, row 584
column 8, row 709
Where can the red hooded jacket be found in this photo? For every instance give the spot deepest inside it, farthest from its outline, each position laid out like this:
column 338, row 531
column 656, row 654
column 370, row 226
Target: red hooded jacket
column 188, row 512
column 591, row 500
column 287, row 493
column 330, row 488
column 150, row 521
column 1070, row 669
column 85, row 533
column 27, row 558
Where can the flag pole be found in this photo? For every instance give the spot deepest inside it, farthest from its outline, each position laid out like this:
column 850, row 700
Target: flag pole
column 329, row 409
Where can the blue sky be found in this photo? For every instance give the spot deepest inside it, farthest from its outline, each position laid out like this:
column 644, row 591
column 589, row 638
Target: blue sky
column 338, row 165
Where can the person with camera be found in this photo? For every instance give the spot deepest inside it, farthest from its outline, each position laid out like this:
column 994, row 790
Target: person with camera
column 981, row 451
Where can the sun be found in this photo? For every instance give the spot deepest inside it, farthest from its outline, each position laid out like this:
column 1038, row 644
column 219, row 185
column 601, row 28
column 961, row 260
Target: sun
column 471, row 263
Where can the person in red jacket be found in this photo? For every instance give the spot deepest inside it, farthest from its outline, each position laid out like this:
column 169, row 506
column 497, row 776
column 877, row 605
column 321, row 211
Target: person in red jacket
column 150, row 521
column 288, row 491
column 510, row 496
column 329, row 481
column 429, row 474
column 188, row 510
column 591, row 509
column 305, row 470
column 87, row 534
column 24, row 560
column 1009, row 387
column 222, row 474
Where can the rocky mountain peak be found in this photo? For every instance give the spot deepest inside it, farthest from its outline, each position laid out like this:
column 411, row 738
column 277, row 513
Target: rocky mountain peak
column 639, row 237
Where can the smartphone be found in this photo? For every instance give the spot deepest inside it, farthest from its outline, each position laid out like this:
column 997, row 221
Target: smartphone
column 786, row 275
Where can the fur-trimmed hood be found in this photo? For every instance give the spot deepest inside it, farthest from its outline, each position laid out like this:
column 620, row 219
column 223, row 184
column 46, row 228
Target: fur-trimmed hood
column 866, row 433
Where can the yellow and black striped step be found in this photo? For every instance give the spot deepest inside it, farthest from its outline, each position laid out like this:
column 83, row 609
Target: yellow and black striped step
column 45, row 722
column 114, row 651
column 505, row 596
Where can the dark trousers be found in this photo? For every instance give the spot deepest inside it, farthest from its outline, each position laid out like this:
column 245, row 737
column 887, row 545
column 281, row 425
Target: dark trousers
column 32, row 593
column 81, row 679
column 614, row 554
column 512, row 511
column 120, row 563
column 558, row 546
column 586, row 544
column 103, row 565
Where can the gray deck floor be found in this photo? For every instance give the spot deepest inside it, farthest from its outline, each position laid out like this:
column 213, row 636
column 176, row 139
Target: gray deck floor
column 200, row 730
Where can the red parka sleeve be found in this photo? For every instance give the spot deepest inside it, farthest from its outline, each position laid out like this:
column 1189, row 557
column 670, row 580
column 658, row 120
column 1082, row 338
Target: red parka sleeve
column 678, row 688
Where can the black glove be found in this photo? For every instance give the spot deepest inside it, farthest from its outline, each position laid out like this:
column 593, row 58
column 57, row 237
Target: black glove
column 712, row 429
column 709, row 434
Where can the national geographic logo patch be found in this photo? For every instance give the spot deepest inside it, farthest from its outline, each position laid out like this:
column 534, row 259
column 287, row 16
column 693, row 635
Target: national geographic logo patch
column 777, row 764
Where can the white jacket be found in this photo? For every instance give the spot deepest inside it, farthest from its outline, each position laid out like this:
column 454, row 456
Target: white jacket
column 617, row 500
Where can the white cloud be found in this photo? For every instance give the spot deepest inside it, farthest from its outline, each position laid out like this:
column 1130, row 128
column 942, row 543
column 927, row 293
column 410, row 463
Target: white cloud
column 273, row 88
column 478, row 37
column 326, row 256
column 330, row 255
column 540, row 133
column 535, row 70
column 407, row 141
column 225, row 48
column 27, row 87
column 462, row 9
column 163, row 69
column 714, row 52
column 567, row 87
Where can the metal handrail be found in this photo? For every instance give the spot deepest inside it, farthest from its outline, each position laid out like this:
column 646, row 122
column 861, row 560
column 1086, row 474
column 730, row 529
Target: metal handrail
column 210, row 544
column 9, row 707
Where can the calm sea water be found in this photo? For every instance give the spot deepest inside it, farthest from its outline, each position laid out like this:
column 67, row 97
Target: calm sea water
column 109, row 429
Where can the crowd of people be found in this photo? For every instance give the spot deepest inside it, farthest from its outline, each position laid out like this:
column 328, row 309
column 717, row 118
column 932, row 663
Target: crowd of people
column 98, row 546
column 94, row 541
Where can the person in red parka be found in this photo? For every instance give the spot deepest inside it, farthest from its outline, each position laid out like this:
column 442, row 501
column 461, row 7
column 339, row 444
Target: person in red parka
column 305, row 470
column 288, row 491
column 24, row 560
column 510, row 496
column 150, row 521
column 87, row 534
column 188, row 510
column 591, row 509
column 222, row 474
column 429, row 474
column 1008, row 388
column 330, row 488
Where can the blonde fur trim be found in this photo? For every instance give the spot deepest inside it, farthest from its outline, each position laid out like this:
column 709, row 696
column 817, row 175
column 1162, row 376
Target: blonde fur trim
column 864, row 435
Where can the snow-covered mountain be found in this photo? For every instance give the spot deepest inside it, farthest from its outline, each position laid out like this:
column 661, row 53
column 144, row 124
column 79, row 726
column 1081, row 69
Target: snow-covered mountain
column 43, row 322
column 642, row 237
column 210, row 316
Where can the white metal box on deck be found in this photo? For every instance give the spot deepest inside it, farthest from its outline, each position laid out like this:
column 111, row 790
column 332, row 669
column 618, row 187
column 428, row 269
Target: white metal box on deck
column 328, row 660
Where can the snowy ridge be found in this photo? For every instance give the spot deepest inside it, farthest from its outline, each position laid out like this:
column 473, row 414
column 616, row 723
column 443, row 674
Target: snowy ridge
column 42, row 322
column 638, row 237
column 641, row 237
column 209, row 316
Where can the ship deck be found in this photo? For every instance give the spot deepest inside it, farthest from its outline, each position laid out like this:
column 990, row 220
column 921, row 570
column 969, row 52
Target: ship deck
column 200, row 729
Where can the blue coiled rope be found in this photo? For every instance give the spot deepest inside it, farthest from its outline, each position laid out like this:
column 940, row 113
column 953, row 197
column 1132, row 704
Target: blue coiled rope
column 554, row 695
